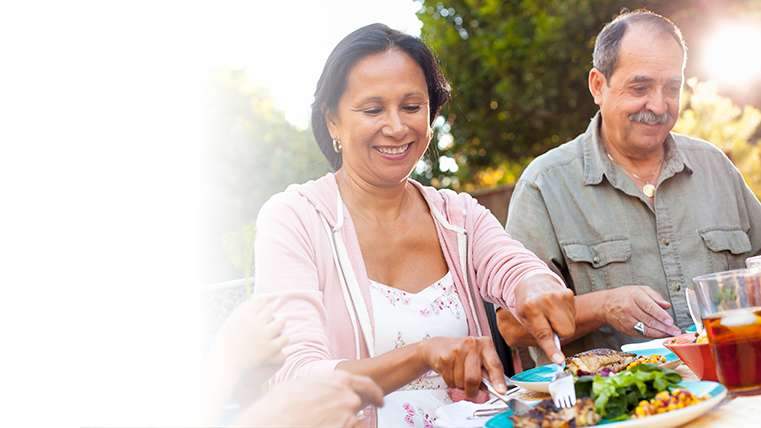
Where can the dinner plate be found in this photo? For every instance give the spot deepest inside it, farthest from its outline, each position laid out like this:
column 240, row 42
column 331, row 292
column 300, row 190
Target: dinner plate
column 714, row 390
column 538, row 379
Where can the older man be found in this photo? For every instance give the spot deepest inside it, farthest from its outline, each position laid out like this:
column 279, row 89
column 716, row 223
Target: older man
column 628, row 213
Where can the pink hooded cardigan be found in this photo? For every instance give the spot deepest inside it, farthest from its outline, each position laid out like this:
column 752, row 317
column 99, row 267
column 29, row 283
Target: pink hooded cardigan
column 295, row 258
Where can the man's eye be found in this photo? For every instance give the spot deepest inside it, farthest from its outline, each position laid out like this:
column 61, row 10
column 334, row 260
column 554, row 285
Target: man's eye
column 411, row 108
column 640, row 89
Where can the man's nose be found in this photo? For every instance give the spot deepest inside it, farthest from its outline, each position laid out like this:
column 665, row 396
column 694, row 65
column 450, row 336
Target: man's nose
column 656, row 103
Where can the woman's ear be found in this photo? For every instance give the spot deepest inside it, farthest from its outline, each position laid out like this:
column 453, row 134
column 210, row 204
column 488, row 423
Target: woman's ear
column 331, row 121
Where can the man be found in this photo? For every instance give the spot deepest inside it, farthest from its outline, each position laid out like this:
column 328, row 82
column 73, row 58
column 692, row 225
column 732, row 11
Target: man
column 628, row 213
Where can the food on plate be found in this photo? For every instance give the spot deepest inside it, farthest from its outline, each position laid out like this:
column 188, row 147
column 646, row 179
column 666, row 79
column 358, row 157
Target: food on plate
column 617, row 395
column 650, row 359
column 546, row 415
column 702, row 337
column 666, row 401
column 598, row 361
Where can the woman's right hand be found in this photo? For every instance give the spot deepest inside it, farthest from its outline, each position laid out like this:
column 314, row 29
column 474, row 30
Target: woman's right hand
column 544, row 307
column 461, row 361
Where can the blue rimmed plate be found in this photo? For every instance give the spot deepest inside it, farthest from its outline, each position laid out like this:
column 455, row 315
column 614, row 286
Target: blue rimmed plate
column 538, row 379
column 715, row 391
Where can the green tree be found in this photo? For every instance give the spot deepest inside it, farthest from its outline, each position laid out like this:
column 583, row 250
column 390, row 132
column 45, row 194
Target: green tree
column 706, row 114
column 253, row 152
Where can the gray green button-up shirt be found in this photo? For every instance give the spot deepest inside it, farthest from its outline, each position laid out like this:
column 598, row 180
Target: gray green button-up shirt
column 588, row 221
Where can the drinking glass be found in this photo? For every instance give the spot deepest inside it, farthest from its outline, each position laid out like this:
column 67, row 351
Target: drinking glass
column 730, row 303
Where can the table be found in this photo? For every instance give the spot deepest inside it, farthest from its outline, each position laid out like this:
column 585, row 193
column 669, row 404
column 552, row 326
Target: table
column 733, row 412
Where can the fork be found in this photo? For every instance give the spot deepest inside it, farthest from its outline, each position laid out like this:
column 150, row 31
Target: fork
column 561, row 388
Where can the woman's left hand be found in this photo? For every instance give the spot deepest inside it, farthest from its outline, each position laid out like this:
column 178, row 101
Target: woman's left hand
column 461, row 362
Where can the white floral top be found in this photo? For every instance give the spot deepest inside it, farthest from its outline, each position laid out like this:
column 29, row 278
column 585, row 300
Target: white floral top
column 403, row 318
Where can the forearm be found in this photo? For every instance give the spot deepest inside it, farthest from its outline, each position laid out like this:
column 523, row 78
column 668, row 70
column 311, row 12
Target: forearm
column 391, row 370
column 588, row 318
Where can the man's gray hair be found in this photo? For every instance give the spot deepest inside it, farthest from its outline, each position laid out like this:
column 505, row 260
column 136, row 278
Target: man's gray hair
column 608, row 41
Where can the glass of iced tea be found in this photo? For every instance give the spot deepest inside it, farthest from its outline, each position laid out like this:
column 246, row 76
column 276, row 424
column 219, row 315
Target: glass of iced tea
column 730, row 303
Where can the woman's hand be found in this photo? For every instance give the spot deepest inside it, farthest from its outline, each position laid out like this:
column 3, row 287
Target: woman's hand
column 461, row 361
column 543, row 307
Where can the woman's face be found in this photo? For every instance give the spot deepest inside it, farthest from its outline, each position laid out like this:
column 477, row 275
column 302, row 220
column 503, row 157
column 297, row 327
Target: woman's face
column 382, row 118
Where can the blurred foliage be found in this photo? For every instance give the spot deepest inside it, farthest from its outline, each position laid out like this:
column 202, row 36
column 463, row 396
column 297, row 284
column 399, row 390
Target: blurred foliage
column 519, row 76
column 706, row 114
column 253, row 152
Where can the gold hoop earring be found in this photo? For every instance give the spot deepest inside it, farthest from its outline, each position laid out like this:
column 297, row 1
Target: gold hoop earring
column 337, row 147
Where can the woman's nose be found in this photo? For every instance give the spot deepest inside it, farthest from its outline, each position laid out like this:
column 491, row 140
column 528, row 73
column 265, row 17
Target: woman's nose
column 394, row 127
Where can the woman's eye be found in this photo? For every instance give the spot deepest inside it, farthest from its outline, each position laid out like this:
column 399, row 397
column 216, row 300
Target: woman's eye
column 411, row 108
column 372, row 110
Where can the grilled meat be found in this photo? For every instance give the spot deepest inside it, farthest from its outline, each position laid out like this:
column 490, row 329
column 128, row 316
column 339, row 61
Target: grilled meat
column 598, row 361
column 546, row 415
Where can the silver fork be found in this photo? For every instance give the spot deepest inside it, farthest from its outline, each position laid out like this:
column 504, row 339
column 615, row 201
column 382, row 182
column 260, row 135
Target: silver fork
column 561, row 388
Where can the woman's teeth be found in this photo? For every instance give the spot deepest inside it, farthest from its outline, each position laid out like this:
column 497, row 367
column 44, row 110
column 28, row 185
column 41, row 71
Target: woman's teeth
column 393, row 150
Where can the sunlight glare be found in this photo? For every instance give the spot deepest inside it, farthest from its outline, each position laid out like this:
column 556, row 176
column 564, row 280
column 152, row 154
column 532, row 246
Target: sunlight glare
column 730, row 56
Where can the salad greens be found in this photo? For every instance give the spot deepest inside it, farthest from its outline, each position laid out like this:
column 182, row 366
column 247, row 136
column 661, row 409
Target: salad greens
column 616, row 396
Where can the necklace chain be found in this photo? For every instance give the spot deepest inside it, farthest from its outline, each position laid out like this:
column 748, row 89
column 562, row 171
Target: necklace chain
column 648, row 188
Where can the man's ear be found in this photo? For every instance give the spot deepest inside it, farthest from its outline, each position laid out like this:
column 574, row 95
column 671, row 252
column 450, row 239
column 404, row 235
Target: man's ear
column 596, row 82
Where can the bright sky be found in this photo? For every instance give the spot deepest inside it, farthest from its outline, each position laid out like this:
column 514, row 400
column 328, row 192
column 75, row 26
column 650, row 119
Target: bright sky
column 283, row 45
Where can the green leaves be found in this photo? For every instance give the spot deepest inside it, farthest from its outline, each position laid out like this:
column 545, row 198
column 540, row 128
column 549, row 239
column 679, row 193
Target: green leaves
column 617, row 396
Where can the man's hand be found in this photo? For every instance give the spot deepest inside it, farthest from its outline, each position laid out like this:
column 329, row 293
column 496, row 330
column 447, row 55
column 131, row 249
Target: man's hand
column 330, row 401
column 623, row 307
column 543, row 307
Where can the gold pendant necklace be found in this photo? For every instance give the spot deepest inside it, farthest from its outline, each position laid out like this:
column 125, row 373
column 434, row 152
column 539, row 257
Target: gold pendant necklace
column 648, row 188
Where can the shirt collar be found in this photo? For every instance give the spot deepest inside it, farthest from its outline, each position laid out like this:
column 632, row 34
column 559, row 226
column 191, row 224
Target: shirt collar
column 597, row 164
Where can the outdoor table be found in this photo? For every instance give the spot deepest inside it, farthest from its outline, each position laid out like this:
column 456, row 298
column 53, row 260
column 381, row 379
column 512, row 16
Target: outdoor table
column 733, row 412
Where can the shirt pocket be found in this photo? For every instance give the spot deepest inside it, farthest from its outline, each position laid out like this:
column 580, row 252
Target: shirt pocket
column 599, row 265
column 727, row 247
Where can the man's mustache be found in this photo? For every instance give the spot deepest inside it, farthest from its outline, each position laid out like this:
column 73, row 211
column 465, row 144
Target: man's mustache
column 650, row 118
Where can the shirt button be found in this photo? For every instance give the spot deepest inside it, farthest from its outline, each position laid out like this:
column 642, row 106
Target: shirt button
column 596, row 260
column 676, row 286
column 666, row 242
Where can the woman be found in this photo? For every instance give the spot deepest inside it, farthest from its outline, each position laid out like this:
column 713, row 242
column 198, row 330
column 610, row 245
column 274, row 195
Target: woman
column 384, row 277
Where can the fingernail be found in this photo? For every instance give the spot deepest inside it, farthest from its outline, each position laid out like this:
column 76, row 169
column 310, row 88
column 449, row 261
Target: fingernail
column 557, row 358
column 501, row 388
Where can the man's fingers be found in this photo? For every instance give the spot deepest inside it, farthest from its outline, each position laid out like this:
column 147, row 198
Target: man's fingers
column 369, row 392
column 659, row 300
column 657, row 317
column 653, row 327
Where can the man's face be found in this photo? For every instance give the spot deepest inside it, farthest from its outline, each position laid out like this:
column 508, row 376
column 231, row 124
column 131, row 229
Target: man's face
column 640, row 102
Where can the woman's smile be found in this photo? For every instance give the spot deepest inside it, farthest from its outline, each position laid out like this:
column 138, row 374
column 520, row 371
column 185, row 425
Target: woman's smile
column 395, row 152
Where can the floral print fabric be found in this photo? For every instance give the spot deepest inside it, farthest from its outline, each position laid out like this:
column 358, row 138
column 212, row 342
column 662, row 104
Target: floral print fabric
column 403, row 318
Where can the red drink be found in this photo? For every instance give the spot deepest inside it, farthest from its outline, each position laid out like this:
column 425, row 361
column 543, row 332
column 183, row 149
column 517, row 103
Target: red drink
column 735, row 338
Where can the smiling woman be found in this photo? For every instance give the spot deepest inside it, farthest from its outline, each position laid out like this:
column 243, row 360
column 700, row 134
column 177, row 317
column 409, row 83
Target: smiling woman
column 380, row 275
